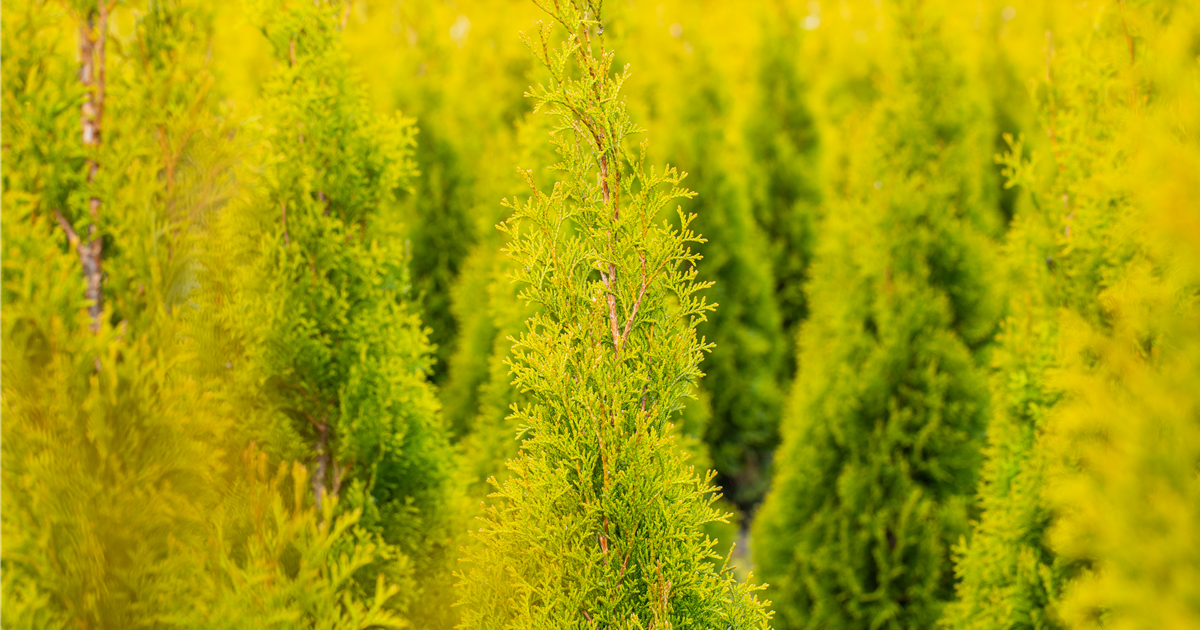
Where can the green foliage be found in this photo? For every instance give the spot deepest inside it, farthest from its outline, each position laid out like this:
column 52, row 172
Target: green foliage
column 464, row 92
column 881, row 437
column 262, row 357
column 280, row 564
column 110, row 445
column 1008, row 576
column 784, row 182
column 327, row 351
column 1120, row 85
column 1074, row 258
column 746, row 363
column 600, row 522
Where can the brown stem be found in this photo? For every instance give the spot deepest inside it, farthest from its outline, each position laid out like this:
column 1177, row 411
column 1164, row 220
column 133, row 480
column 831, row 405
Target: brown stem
column 92, row 76
column 637, row 303
column 89, row 258
column 318, row 480
column 338, row 474
column 610, row 280
column 625, row 562
column 1125, row 25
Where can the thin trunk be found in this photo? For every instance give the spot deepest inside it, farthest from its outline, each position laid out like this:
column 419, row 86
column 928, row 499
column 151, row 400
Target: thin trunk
column 318, row 479
column 92, row 77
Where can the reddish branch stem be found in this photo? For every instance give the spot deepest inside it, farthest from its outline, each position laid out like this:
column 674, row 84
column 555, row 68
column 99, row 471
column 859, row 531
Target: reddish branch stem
column 318, row 480
column 92, row 77
column 637, row 303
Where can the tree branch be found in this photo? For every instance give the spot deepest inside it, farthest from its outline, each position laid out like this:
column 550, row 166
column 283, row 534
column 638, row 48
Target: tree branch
column 318, row 479
column 92, row 72
column 638, row 303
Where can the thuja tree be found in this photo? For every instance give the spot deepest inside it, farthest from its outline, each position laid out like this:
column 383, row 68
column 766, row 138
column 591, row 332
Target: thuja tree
column 1059, row 249
column 1008, row 577
column 487, row 306
column 110, row 446
column 743, row 373
column 464, row 91
column 1125, row 445
column 327, row 353
column 881, row 437
column 1108, row 540
column 783, row 181
column 600, row 522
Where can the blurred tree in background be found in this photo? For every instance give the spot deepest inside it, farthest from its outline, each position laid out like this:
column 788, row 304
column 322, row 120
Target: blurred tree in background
column 327, row 348
column 257, row 328
column 881, row 438
column 111, row 447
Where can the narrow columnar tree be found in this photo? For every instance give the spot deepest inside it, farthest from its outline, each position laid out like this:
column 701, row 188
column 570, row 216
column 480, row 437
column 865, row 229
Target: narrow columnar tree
column 487, row 305
column 784, row 186
column 600, row 522
column 881, row 437
column 326, row 354
column 1008, row 576
column 743, row 373
column 1123, row 477
column 110, row 446
column 1056, row 252
column 1090, row 492
column 464, row 91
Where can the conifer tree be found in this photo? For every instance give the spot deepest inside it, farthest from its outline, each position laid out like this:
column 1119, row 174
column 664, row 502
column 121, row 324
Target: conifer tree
column 1008, row 576
column 479, row 392
column 273, row 560
column 1127, row 440
column 442, row 235
column 464, row 93
column 743, row 372
column 327, row 354
column 110, row 445
column 600, row 522
column 881, row 436
column 1088, row 495
column 783, row 178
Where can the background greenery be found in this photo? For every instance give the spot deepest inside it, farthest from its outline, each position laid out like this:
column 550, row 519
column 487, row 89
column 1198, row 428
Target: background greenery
column 952, row 378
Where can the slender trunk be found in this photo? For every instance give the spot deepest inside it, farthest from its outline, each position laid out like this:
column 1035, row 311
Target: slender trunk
column 318, row 479
column 91, row 76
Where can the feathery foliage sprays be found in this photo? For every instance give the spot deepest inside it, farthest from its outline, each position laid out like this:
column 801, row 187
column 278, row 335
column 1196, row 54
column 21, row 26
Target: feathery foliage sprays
column 1124, row 478
column 110, row 447
column 600, row 523
column 881, row 438
column 1106, row 537
column 329, row 357
column 783, row 182
column 745, row 366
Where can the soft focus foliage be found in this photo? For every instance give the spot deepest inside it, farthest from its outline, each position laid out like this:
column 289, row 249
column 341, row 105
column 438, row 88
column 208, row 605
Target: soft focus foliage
column 267, row 361
column 880, row 439
column 326, row 348
column 601, row 521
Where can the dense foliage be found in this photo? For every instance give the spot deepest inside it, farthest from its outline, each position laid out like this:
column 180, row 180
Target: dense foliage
column 601, row 520
column 881, row 434
column 912, row 343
